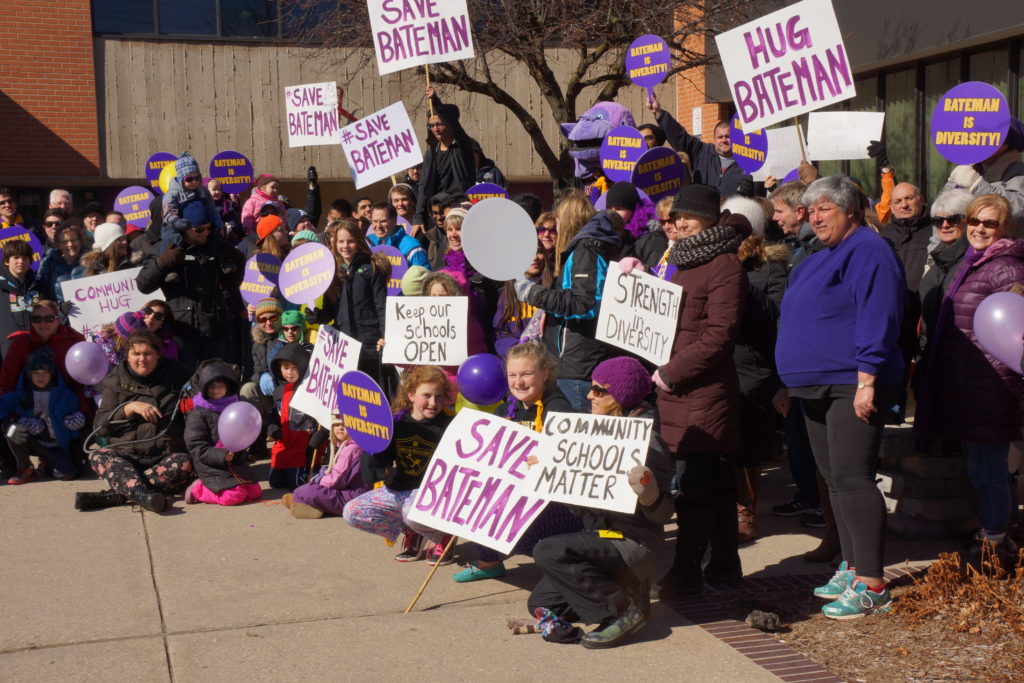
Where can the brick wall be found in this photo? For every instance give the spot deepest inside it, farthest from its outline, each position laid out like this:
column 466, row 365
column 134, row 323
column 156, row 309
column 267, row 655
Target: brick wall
column 48, row 104
column 690, row 94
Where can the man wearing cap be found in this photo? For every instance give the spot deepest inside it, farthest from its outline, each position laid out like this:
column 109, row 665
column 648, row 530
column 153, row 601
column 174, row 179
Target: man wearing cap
column 297, row 220
column 1002, row 174
column 384, row 230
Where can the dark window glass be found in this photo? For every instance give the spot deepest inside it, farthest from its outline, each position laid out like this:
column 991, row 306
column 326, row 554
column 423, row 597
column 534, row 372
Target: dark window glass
column 188, row 17
column 122, row 16
column 248, row 18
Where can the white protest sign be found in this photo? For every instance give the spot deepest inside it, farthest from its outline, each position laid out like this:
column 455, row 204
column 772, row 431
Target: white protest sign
column 639, row 313
column 426, row 330
column 100, row 299
column 382, row 144
column 475, row 485
column 783, row 154
column 587, row 460
column 335, row 354
column 409, row 33
column 312, row 112
column 786, row 63
column 840, row 135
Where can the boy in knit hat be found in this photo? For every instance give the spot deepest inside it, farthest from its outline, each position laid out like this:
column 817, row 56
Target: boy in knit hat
column 185, row 187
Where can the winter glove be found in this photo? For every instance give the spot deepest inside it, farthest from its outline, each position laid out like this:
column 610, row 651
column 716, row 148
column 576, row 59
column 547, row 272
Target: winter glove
column 171, row 258
column 641, row 480
column 17, row 434
column 32, row 425
column 311, row 175
column 274, row 432
column 876, row 150
column 318, row 438
column 746, row 187
column 659, row 382
column 631, row 263
column 965, row 177
column 65, row 308
column 74, row 421
column 312, row 316
column 267, row 385
column 523, row 289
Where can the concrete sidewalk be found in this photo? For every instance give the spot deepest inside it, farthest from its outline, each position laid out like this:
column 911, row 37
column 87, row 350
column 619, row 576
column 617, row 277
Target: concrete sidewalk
column 207, row 593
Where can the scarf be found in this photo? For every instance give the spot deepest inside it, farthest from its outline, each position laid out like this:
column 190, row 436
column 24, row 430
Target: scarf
column 217, row 405
column 705, row 246
column 538, row 420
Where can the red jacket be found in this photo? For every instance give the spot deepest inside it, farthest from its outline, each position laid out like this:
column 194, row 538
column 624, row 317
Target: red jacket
column 290, row 450
column 24, row 343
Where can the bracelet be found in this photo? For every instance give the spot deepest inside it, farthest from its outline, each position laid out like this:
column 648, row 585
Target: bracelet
column 865, row 385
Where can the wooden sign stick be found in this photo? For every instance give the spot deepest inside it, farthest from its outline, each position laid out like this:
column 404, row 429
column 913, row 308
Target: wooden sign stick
column 447, row 549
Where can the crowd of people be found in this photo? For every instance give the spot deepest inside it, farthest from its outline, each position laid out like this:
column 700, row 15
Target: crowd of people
column 811, row 310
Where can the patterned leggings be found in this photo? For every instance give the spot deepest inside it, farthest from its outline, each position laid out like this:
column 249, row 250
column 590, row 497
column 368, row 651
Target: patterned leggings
column 170, row 475
column 386, row 513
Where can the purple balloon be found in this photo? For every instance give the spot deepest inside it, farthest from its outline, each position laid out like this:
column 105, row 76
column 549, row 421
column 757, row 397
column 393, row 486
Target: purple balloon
column 619, row 152
column 86, row 363
column 154, row 165
column 239, row 425
column 964, row 132
column 999, row 327
column 482, row 379
column 749, row 148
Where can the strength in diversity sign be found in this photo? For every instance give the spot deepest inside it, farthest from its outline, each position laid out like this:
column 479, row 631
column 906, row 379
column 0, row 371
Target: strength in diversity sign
column 233, row 170
column 409, row 33
column 786, row 63
column 587, row 459
column 426, row 330
column 382, row 144
column 133, row 202
column 98, row 299
column 639, row 313
column 312, row 112
column 970, row 122
column 475, row 485
column 335, row 354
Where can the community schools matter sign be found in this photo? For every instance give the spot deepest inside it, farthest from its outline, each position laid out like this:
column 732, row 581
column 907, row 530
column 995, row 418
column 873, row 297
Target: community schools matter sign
column 639, row 313
column 382, row 144
column 101, row 299
column 426, row 330
column 409, row 33
column 786, row 63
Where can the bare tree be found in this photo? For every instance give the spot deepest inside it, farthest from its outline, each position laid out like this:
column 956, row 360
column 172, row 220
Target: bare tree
column 597, row 32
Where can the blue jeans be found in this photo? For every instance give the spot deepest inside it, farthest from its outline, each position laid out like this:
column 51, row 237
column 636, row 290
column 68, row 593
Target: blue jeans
column 987, row 469
column 576, row 391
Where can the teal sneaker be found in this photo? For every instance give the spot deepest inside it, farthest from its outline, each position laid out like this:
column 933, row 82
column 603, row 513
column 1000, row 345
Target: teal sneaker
column 835, row 587
column 857, row 601
column 474, row 573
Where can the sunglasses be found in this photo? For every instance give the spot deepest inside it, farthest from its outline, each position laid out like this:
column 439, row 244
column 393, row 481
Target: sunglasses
column 435, row 125
column 192, row 178
column 5, row 202
column 157, row 315
column 649, row 138
column 43, row 318
column 267, row 319
column 954, row 219
column 552, row 231
column 988, row 223
column 201, row 229
column 291, row 328
column 598, row 391
column 51, row 224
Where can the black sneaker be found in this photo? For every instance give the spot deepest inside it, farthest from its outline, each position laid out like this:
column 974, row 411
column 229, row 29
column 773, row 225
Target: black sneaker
column 791, row 509
column 814, row 519
column 412, row 548
column 616, row 632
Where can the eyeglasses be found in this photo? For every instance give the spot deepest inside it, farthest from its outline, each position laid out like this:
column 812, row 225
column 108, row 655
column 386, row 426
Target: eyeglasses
column 50, row 224
column 192, row 178
column 598, row 391
column 267, row 319
column 988, row 223
column 157, row 315
column 43, row 318
column 649, row 138
column 552, row 231
column 435, row 125
column 5, row 202
column 954, row 219
column 291, row 328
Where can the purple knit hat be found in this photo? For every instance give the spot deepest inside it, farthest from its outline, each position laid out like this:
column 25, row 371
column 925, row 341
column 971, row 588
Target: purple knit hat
column 130, row 322
column 627, row 380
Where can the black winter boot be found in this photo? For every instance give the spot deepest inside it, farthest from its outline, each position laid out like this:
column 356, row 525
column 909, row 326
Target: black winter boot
column 96, row 500
column 153, row 501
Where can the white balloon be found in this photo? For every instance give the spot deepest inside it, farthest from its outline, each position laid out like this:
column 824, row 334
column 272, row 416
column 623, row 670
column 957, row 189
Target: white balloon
column 499, row 238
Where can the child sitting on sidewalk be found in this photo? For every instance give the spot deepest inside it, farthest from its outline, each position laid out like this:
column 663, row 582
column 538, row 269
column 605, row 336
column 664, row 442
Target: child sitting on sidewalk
column 337, row 483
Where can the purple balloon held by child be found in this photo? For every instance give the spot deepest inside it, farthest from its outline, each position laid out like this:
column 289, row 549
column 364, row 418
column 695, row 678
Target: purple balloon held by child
column 239, row 425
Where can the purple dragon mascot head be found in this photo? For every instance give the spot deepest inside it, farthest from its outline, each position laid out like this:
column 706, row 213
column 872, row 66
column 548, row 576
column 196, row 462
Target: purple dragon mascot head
column 589, row 131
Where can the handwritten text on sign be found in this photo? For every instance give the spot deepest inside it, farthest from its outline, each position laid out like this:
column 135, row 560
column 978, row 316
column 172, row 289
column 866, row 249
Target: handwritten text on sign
column 100, row 299
column 312, row 112
column 382, row 144
column 335, row 354
column 426, row 330
column 475, row 486
column 409, row 33
column 639, row 313
column 588, row 458
column 786, row 63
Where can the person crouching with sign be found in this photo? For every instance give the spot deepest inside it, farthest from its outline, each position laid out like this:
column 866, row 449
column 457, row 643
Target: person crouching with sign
column 601, row 575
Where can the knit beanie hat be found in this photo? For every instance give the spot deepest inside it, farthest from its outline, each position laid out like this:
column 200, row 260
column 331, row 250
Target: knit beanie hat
column 41, row 359
column 196, row 213
column 412, row 281
column 129, row 322
column 622, row 195
column 749, row 209
column 186, row 166
column 105, row 235
column 293, row 318
column 294, row 217
column 267, row 225
column 699, row 200
column 268, row 305
column 264, row 178
column 627, row 380
column 307, row 235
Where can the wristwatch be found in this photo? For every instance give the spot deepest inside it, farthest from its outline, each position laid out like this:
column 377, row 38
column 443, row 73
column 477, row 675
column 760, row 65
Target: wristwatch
column 865, row 385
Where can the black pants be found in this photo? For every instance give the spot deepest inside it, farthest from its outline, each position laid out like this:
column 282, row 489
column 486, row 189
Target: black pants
column 846, row 451
column 585, row 578
column 61, row 462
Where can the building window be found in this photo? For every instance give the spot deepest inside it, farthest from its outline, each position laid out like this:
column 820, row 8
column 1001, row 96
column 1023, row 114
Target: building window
column 188, row 17
column 213, row 18
column 938, row 78
column 123, row 16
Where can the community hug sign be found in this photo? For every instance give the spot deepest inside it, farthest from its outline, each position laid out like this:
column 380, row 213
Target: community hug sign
column 101, row 298
column 408, row 33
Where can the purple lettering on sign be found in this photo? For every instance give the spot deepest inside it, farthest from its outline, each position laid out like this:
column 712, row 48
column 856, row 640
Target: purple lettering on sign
column 134, row 202
column 970, row 122
column 619, row 152
column 399, row 267
column 749, row 149
column 409, row 33
column 154, row 165
column 364, row 411
column 261, row 277
column 233, row 170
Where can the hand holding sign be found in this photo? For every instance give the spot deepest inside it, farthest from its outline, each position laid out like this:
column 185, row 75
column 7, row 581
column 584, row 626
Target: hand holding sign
column 499, row 238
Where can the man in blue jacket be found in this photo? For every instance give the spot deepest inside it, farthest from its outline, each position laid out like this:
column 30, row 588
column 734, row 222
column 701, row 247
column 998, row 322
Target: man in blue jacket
column 384, row 230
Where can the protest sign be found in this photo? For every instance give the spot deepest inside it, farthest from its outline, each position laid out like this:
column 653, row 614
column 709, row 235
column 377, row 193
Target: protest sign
column 841, row 135
column 619, row 152
column 475, row 485
column 407, row 34
column 334, row 354
column 426, row 330
column 98, row 300
column 639, row 313
column 155, row 165
column 260, row 279
column 312, row 113
column 786, row 63
column 20, row 232
column 133, row 202
column 364, row 410
column 486, row 191
column 233, row 170
column 648, row 61
column 399, row 267
column 587, row 458
column 970, row 122
column 659, row 173
column 749, row 147
column 306, row 273
column 382, row 144
column 499, row 239
column 783, row 153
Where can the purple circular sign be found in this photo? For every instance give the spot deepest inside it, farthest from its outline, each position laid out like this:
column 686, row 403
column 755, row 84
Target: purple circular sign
column 791, row 176
column 749, row 149
column 19, row 232
column 399, row 266
column 233, row 171
column 307, row 273
column 364, row 411
column 486, row 191
column 154, row 165
column 619, row 152
column 970, row 122
column 659, row 173
column 648, row 61
column 133, row 202
column 261, row 276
